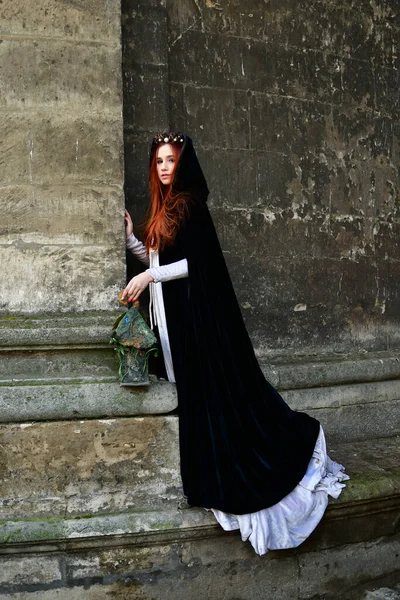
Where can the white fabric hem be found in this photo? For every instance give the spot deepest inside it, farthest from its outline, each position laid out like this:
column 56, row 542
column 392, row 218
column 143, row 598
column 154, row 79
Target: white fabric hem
column 288, row 523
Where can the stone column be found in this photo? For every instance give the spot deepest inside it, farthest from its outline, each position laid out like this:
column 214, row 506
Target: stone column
column 61, row 168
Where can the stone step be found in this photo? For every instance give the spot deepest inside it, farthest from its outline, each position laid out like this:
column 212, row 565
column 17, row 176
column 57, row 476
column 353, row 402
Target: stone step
column 346, row 410
column 64, row 368
column 48, row 400
column 79, row 469
column 160, row 549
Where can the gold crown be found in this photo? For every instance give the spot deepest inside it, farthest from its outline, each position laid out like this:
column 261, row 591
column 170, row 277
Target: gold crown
column 167, row 138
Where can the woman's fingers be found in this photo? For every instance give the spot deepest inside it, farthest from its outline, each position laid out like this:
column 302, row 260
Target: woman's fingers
column 134, row 294
column 131, row 292
column 136, row 286
column 128, row 224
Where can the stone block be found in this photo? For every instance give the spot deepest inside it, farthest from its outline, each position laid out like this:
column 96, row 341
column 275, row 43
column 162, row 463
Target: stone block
column 54, row 82
column 313, row 26
column 331, row 28
column 273, row 234
column 130, row 5
column 338, row 135
column 337, row 315
column 146, row 90
column 236, row 63
column 181, row 17
column 82, row 21
column 256, row 180
column 89, row 467
column 65, row 277
column 337, row 396
column 387, row 91
column 356, row 565
column 373, row 467
column 358, row 84
column 220, row 117
column 58, row 364
column 29, row 570
column 89, row 330
column 46, row 398
column 225, row 62
column 109, row 530
column 48, row 213
column 290, row 372
column 151, row 48
column 359, row 421
column 59, row 148
column 360, row 135
column 136, row 174
column 96, row 592
column 293, row 125
column 361, row 192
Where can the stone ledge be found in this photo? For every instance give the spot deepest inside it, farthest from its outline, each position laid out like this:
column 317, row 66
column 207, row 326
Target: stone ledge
column 345, row 411
column 92, row 329
column 84, row 400
column 25, row 332
column 367, row 509
column 296, row 372
column 63, row 367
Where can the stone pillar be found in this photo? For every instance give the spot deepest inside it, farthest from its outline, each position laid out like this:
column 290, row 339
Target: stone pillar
column 62, row 234
column 61, row 173
column 62, row 251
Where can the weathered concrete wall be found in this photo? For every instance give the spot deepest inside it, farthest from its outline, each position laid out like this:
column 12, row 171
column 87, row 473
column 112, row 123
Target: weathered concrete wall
column 294, row 111
column 61, row 177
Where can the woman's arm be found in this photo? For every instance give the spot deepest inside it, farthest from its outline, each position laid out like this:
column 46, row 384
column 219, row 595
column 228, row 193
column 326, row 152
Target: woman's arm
column 137, row 248
column 175, row 270
column 139, row 283
column 132, row 243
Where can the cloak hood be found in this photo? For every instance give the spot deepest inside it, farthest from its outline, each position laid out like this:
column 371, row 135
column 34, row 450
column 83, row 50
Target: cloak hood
column 188, row 176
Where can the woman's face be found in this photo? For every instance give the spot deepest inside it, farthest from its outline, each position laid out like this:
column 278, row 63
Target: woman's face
column 165, row 163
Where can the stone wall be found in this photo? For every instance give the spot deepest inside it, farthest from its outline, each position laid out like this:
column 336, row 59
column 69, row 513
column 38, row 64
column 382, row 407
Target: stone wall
column 294, row 112
column 61, row 173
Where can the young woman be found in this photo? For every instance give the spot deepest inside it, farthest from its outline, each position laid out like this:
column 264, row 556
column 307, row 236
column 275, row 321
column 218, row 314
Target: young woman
column 259, row 466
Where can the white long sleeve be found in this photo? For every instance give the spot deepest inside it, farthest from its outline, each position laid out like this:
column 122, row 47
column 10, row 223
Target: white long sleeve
column 175, row 270
column 138, row 249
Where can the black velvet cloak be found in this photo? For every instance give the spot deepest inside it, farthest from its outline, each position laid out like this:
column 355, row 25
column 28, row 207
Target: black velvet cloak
column 242, row 448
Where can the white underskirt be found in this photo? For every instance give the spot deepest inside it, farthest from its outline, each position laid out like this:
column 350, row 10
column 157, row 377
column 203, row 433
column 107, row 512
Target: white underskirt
column 288, row 523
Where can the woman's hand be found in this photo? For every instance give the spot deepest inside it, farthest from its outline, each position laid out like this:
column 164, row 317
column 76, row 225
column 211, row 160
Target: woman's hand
column 128, row 224
column 136, row 286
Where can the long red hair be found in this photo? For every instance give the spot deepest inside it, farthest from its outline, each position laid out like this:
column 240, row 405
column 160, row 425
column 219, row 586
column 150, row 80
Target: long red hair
column 167, row 208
